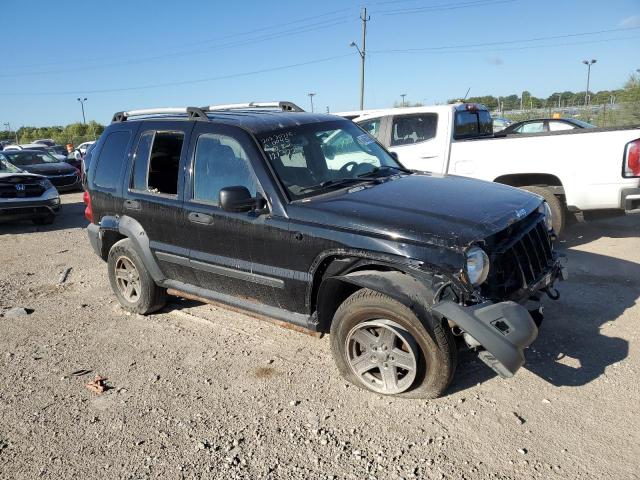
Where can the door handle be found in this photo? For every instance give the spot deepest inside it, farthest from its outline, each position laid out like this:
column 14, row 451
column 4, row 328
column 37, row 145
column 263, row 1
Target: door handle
column 203, row 218
column 132, row 204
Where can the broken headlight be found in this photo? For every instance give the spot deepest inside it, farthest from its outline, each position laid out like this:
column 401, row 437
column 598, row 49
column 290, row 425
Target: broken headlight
column 545, row 210
column 477, row 267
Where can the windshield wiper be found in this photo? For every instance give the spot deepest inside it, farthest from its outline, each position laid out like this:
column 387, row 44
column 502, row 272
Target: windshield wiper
column 378, row 170
column 338, row 182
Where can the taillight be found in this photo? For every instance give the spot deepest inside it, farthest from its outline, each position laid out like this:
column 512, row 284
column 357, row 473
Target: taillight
column 88, row 213
column 631, row 166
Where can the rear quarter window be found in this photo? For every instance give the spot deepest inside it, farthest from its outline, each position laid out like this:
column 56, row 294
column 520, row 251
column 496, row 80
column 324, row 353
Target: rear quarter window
column 112, row 157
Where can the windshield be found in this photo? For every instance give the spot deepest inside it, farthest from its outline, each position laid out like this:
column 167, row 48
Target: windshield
column 311, row 159
column 6, row 167
column 23, row 158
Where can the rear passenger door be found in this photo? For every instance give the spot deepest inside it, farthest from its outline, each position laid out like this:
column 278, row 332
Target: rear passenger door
column 414, row 137
column 154, row 192
column 232, row 253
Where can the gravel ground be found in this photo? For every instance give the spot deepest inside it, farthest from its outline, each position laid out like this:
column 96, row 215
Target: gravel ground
column 198, row 391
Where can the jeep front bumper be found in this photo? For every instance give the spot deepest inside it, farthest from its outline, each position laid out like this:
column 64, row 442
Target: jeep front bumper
column 503, row 329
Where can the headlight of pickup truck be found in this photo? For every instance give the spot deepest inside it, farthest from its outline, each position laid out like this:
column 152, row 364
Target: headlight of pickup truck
column 545, row 210
column 477, row 266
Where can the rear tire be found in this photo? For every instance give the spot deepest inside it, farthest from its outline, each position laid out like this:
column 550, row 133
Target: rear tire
column 427, row 346
column 134, row 288
column 558, row 210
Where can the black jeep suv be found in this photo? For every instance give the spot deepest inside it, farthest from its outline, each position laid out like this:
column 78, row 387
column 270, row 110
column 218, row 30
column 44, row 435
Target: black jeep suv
column 305, row 218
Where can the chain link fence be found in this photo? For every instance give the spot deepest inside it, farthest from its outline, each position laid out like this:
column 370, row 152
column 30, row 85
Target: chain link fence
column 603, row 115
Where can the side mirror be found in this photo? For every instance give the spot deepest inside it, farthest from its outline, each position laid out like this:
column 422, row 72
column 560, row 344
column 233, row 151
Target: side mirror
column 394, row 155
column 236, row 199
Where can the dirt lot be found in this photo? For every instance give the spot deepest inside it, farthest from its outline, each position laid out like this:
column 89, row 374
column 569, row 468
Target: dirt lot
column 202, row 392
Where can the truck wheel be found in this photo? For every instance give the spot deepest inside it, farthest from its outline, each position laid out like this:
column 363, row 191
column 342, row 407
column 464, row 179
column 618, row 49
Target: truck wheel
column 135, row 289
column 557, row 208
column 379, row 344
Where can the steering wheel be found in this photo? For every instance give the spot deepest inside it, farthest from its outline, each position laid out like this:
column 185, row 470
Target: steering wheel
column 348, row 167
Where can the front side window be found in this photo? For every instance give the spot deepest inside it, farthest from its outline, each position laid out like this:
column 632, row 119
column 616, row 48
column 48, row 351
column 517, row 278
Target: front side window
column 156, row 162
column 408, row 129
column 313, row 158
column 220, row 161
column 532, row 127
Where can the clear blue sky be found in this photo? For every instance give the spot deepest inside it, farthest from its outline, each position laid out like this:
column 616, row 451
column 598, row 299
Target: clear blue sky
column 56, row 51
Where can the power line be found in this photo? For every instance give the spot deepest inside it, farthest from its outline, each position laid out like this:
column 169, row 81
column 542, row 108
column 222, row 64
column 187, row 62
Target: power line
column 506, row 42
column 184, row 82
column 190, row 44
column 435, row 8
column 239, row 43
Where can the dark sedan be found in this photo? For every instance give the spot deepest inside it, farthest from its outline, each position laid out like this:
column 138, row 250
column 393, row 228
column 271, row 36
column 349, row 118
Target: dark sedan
column 545, row 125
column 63, row 176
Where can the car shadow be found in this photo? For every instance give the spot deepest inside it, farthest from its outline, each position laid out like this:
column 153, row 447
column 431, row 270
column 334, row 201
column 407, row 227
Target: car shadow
column 72, row 216
column 577, row 340
column 576, row 234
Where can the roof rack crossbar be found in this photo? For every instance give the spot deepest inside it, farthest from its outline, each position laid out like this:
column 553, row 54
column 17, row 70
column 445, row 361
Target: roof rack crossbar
column 282, row 105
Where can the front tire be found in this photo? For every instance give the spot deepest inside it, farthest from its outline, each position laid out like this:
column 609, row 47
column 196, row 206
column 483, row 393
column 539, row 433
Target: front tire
column 380, row 345
column 558, row 211
column 134, row 288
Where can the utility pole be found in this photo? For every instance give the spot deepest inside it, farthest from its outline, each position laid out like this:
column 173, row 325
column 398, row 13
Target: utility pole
column 363, row 52
column 8, row 125
column 311, row 99
column 588, row 64
column 82, row 100
column 403, row 95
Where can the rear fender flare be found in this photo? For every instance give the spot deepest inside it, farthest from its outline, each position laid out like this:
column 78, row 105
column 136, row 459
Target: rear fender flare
column 131, row 229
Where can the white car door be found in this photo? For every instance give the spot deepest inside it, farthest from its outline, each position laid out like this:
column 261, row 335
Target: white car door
column 414, row 137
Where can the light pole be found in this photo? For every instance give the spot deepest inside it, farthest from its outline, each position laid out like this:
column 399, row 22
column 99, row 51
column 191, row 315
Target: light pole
column 588, row 64
column 8, row 125
column 82, row 100
column 403, row 95
column 311, row 95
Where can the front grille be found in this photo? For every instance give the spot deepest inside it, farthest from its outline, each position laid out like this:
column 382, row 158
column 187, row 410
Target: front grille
column 521, row 259
column 30, row 190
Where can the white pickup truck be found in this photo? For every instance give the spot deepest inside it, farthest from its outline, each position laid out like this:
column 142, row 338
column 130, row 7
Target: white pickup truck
column 594, row 171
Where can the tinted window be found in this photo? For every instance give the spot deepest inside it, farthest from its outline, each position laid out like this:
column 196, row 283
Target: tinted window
column 111, row 159
column 372, row 127
column 409, row 129
column 220, row 162
column 470, row 124
column 157, row 162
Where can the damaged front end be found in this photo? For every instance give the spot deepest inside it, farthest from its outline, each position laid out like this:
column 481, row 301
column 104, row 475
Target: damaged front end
column 500, row 316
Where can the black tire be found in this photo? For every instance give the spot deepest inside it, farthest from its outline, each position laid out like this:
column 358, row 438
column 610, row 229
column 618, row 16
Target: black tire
column 150, row 297
column 558, row 210
column 435, row 346
column 48, row 220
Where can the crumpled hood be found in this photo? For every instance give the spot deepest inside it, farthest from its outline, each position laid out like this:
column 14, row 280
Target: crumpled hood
column 448, row 211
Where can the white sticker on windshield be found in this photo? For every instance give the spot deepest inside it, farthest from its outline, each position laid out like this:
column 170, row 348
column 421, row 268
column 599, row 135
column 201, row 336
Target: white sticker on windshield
column 364, row 139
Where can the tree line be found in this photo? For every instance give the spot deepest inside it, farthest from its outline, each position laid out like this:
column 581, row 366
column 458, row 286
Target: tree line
column 74, row 133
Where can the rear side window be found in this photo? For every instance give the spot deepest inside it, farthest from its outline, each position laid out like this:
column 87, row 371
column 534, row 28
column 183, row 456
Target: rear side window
column 156, row 162
column 532, row 127
column 372, row 127
column 471, row 124
column 220, row 162
column 111, row 158
column 408, row 129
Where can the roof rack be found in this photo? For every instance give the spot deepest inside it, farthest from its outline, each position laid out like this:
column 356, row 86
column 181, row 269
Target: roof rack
column 284, row 106
column 195, row 113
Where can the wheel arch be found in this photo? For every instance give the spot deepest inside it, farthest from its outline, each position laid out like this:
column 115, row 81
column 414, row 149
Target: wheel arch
column 538, row 179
